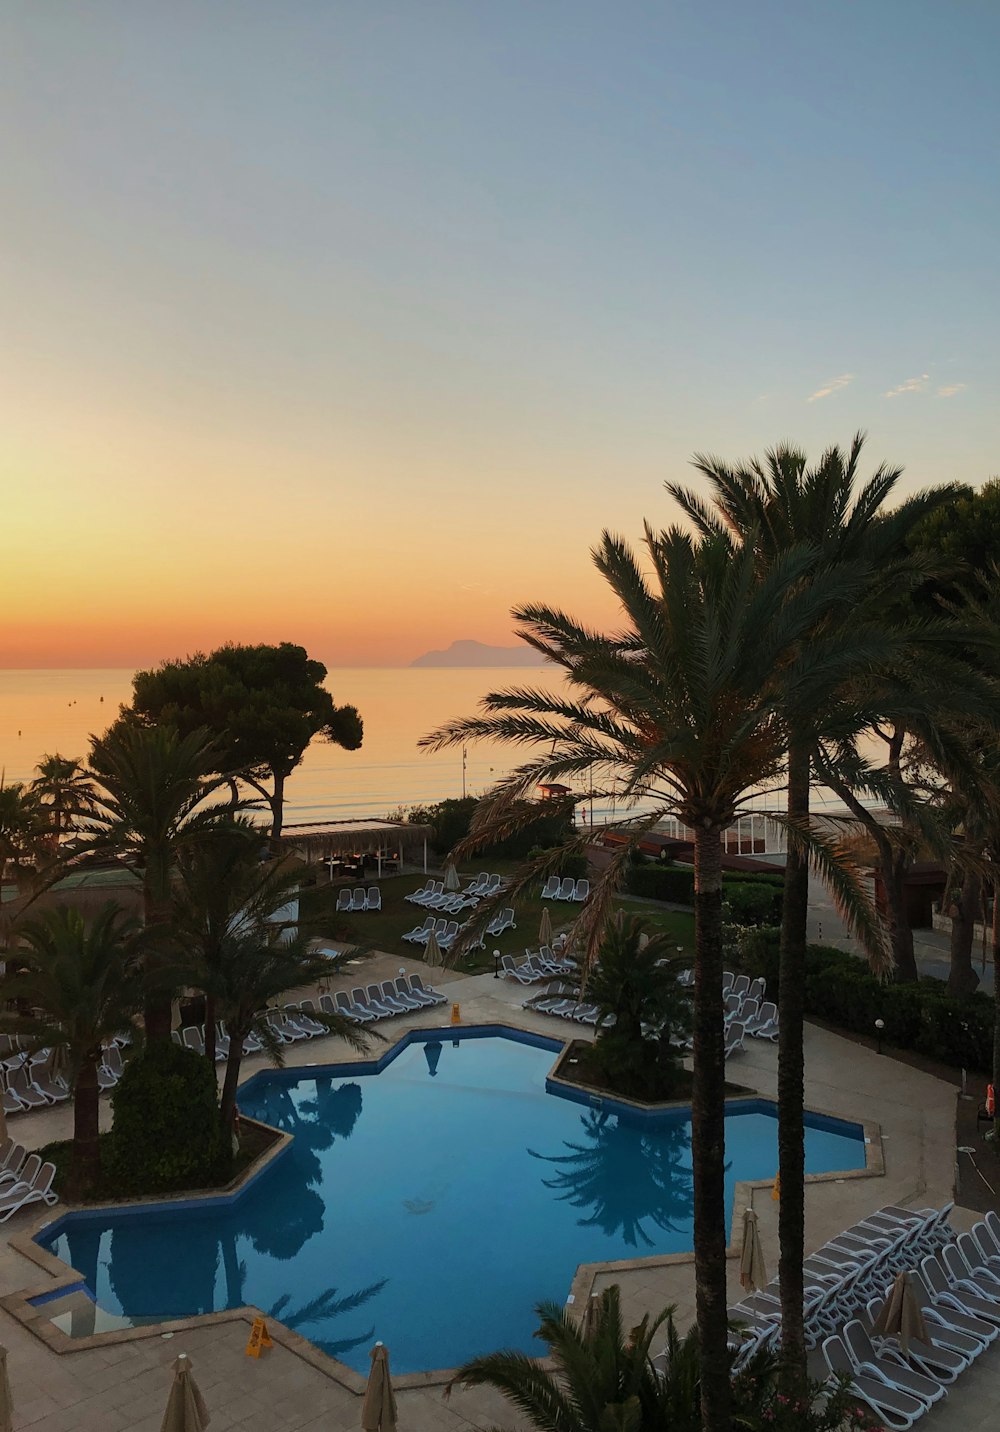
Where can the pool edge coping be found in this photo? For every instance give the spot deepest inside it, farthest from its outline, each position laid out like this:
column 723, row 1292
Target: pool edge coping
column 63, row 1277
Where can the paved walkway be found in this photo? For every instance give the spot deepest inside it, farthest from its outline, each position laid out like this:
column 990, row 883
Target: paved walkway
column 124, row 1388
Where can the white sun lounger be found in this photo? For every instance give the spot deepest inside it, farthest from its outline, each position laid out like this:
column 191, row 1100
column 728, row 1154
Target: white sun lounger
column 38, row 1190
column 947, row 1311
column 418, row 935
column 344, row 901
column 391, row 999
column 582, row 891
column 895, row 1371
column 950, row 1294
column 301, row 1016
column 934, row 1357
column 10, row 1172
column 192, row 1039
column 734, row 1038
column 374, row 1001
column 403, row 986
column 20, row 1083
column 418, row 987
column 550, row 890
column 404, row 996
column 374, row 901
column 898, row 1410
column 979, row 1280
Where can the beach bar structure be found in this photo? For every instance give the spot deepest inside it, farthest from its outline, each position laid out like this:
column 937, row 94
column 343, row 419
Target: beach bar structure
column 384, row 841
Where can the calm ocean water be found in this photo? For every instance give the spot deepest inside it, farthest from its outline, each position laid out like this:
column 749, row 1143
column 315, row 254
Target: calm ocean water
column 48, row 711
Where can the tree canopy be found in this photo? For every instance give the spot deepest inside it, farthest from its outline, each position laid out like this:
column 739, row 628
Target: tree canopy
column 262, row 706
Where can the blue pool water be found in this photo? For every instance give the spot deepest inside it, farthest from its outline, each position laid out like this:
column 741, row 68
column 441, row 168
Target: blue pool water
column 431, row 1205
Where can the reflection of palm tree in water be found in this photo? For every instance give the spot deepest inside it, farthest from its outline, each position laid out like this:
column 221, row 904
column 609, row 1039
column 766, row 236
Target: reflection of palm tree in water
column 314, row 1123
column 323, row 1309
column 626, row 1177
column 282, row 1233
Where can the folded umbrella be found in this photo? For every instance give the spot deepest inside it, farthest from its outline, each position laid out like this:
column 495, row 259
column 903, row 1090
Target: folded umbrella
column 902, row 1315
column 186, row 1410
column 753, row 1272
column 378, row 1411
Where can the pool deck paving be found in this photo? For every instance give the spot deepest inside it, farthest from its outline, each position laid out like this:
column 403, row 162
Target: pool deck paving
column 122, row 1387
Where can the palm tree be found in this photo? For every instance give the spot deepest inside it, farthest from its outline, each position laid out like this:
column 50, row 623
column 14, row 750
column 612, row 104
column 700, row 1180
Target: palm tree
column 22, row 835
column 680, row 710
column 218, row 881
column 65, row 788
column 84, row 986
column 644, row 1013
column 233, row 942
column 769, row 508
column 260, row 961
column 604, row 1377
column 149, row 802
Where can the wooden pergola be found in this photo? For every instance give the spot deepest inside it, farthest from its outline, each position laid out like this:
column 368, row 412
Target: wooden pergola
column 317, row 841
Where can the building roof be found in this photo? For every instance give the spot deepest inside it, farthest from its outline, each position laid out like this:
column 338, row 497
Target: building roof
column 356, row 835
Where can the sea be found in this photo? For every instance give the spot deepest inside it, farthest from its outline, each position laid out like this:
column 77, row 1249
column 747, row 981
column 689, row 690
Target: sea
column 45, row 712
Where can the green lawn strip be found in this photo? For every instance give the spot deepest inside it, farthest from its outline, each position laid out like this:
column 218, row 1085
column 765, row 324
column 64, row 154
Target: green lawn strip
column 384, row 929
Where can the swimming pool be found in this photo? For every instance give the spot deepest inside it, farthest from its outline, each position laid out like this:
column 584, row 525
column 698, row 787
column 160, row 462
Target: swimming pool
column 431, row 1204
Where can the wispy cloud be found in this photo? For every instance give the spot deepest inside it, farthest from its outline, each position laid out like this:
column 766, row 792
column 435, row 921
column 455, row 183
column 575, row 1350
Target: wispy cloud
column 912, row 385
column 951, row 390
column 834, row 386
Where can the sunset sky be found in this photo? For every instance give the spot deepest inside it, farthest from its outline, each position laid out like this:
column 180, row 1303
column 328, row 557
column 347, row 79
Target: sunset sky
column 354, row 323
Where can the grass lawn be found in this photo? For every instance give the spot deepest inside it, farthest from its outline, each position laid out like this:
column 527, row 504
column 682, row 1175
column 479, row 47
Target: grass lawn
column 384, row 929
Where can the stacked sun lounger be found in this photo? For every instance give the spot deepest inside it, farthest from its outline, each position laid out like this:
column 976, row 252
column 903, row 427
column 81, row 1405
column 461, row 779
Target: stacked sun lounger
column 24, row 1179
column 563, row 1001
column 956, row 1282
column 404, row 995
column 27, row 1083
column 536, row 965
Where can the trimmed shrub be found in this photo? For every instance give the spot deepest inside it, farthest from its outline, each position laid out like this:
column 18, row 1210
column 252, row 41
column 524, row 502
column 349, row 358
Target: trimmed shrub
column 661, row 882
column 675, row 883
column 758, row 904
column 920, row 1017
column 166, row 1133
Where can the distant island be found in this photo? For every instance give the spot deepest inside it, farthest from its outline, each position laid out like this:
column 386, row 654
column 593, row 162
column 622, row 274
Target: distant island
column 475, row 653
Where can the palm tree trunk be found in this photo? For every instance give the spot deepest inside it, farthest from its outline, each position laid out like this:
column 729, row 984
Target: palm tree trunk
column 791, row 1083
column 708, row 1132
column 277, row 803
column 894, row 865
column 962, row 978
column 995, row 942
column 86, row 1161
column 231, row 1082
column 158, row 1014
column 210, row 1028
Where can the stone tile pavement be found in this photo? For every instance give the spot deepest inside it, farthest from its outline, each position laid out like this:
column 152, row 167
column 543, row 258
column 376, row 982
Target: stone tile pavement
column 123, row 1388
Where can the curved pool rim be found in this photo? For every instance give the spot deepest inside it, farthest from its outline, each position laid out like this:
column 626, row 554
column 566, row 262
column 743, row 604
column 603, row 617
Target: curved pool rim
column 28, row 1304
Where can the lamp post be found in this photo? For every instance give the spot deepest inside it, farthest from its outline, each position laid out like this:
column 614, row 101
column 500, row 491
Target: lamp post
column 496, row 964
column 879, row 1026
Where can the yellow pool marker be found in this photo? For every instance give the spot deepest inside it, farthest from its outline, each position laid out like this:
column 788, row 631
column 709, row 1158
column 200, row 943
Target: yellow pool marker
column 776, row 1190
column 456, row 1014
column 260, row 1338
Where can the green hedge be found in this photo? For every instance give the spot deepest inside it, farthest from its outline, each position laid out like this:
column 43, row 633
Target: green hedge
column 166, row 1133
column 922, row 1017
column 676, row 884
column 753, row 904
